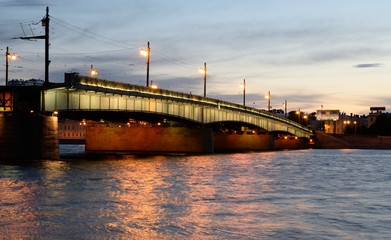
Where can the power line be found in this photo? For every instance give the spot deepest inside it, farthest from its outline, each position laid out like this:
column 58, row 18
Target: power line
column 68, row 25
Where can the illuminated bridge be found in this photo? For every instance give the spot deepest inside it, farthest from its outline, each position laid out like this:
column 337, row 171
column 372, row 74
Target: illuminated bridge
column 29, row 125
column 80, row 93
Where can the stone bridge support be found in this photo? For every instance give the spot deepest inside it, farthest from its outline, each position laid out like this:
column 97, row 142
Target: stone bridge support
column 149, row 139
column 28, row 137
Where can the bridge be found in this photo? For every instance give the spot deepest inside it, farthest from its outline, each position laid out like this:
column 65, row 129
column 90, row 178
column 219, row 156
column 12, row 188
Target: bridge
column 80, row 93
column 85, row 97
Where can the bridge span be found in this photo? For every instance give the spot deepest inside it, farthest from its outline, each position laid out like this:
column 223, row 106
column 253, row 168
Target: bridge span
column 29, row 130
column 85, row 94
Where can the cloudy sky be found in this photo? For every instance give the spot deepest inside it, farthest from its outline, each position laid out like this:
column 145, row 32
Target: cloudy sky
column 335, row 53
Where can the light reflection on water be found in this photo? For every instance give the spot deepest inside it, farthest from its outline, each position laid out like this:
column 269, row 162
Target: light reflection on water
column 308, row 194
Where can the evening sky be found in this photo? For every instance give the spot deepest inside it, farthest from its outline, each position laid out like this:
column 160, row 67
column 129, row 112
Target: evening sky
column 335, row 53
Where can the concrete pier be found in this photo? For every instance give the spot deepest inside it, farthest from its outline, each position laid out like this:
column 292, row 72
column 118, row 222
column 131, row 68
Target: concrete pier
column 28, row 137
column 149, row 139
column 224, row 142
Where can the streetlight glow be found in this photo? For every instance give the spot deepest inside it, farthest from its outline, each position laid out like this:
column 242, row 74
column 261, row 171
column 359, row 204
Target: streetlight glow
column 144, row 52
column 13, row 56
column 153, row 86
column 93, row 71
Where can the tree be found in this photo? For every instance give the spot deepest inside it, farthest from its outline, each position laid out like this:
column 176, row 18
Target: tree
column 382, row 125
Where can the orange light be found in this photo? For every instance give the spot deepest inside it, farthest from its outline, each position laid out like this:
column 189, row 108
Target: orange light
column 285, row 137
column 94, row 72
column 305, row 116
column 153, row 86
column 144, row 52
column 242, row 85
column 267, row 96
column 296, row 138
column 202, row 70
column 12, row 56
column 297, row 112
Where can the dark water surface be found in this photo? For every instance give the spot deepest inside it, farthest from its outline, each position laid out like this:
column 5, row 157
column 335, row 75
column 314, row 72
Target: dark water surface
column 306, row 194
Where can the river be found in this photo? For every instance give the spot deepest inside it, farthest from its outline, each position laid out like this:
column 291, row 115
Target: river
column 303, row 194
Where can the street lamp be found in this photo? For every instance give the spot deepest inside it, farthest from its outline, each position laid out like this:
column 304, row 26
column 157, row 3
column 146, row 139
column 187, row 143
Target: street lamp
column 267, row 96
column 243, row 85
column 203, row 70
column 306, row 119
column 93, row 71
column 355, row 127
column 285, row 104
column 153, row 86
column 7, row 57
column 298, row 113
column 146, row 53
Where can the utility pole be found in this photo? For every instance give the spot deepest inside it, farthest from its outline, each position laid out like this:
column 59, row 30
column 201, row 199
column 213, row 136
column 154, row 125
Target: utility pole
column 205, row 79
column 149, row 52
column 244, row 92
column 286, row 107
column 45, row 23
column 6, row 67
column 268, row 104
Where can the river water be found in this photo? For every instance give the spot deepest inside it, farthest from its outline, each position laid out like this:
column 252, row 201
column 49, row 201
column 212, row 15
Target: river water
column 304, row 194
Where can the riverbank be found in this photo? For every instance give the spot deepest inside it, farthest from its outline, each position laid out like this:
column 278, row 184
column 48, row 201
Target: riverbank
column 327, row 141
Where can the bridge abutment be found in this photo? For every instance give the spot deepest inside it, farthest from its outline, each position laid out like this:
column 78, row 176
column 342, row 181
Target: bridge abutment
column 149, row 139
column 291, row 143
column 28, row 137
column 243, row 142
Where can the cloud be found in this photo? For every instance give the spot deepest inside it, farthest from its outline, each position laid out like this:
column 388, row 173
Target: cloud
column 368, row 65
column 23, row 3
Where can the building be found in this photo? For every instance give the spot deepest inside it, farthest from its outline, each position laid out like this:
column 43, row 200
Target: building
column 71, row 130
column 30, row 82
column 374, row 113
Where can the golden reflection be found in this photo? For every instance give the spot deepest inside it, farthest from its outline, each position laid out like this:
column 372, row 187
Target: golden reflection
column 139, row 196
column 18, row 213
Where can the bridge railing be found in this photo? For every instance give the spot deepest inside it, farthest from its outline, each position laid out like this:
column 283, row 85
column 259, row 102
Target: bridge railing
column 73, row 80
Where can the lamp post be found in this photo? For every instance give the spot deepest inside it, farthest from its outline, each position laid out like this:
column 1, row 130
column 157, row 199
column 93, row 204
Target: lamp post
column 7, row 57
column 146, row 53
column 306, row 119
column 298, row 113
column 243, row 85
column 285, row 104
column 153, row 86
column 203, row 70
column 267, row 96
column 355, row 127
column 93, row 71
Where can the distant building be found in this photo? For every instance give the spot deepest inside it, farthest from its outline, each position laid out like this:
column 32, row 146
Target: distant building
column 336, row 122
column 374, row 113
column 30, row 82
column 70, row 129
